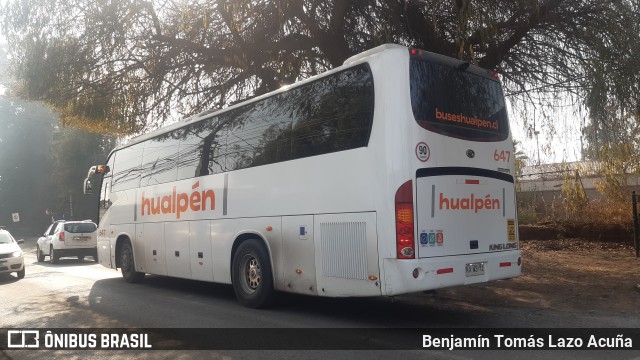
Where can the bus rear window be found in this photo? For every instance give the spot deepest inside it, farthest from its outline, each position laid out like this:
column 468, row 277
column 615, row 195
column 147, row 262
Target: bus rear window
column 456, row 103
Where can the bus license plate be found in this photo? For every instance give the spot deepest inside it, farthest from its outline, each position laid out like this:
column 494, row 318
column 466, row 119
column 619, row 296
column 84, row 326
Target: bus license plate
column 475, row 269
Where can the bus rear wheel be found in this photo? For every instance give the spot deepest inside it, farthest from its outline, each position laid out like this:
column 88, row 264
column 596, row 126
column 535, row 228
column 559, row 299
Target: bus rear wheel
column 252, row 276
column 127, row 264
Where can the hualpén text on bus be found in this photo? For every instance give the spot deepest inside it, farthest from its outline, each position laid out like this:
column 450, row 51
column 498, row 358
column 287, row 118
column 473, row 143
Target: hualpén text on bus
column 470, row 203
column 178, row 203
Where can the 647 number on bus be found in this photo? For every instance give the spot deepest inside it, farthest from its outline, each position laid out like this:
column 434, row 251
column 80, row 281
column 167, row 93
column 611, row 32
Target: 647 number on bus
column 502, row 155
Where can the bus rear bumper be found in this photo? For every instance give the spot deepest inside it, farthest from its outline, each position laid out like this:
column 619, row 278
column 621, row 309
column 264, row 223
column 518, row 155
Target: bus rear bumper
column 447, row 271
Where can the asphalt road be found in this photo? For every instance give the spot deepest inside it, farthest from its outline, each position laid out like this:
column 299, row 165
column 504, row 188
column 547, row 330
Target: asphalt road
column 83, row 294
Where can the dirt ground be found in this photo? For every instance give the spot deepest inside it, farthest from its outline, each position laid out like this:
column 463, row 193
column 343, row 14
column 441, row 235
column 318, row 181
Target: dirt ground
column 570, row 275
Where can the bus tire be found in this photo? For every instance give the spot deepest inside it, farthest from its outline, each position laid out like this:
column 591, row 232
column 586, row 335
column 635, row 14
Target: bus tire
column 128, row 265
column 251, row 275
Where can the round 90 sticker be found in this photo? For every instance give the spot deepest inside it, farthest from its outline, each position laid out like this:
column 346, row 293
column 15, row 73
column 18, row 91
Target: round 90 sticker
column 422, row 151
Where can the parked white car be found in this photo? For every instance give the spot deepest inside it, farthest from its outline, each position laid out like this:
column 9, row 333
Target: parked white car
column 68, row 238
column 11, row 257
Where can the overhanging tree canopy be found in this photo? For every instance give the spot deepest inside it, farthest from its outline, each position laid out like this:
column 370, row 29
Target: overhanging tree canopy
column 121, row 66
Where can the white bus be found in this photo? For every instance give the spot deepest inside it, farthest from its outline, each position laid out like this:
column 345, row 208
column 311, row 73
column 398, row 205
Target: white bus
column 389, row 175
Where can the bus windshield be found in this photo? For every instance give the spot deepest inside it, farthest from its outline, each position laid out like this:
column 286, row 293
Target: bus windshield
column 457, row 103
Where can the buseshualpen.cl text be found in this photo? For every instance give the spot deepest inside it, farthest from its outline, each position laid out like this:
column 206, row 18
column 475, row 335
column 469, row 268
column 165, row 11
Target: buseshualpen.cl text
column 531, row 342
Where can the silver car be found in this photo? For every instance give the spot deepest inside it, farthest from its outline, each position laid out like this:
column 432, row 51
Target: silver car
column 11, row 257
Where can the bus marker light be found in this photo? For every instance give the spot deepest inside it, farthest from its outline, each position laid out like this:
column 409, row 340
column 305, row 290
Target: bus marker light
column 444, row 271
column 505, row 264
column 373, row 278
column 102, row 169
column 472, row 182
column 416, row 272
column 298, row 271
column 269, row 228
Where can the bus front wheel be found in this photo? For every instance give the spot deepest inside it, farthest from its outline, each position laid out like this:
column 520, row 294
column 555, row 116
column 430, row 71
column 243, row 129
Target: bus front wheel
column 127, row 264
column 251, row 276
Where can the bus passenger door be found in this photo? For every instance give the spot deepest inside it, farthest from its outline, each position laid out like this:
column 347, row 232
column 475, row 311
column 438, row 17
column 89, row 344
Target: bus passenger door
column 299, row 254
column 106, row 255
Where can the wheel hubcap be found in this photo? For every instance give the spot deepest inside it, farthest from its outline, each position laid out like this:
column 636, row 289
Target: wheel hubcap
column 252, row 274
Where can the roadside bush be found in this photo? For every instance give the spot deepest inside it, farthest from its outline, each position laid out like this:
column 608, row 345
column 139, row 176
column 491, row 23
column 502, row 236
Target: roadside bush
column 606, row 212
column 527, row 215
column 602, row 220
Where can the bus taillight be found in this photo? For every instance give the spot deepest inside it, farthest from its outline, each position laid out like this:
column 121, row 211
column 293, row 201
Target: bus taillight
column 405, row 242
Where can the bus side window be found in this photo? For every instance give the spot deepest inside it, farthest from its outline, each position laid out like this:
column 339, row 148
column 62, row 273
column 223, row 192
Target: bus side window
column 338, row 117
column 201, row 149
column 127, row 167
column 259, row 133
column 160, row 159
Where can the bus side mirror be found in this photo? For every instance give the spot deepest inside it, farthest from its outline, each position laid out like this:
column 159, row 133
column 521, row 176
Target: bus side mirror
column 98, row 169
column 88, row 186
column 88, row 182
